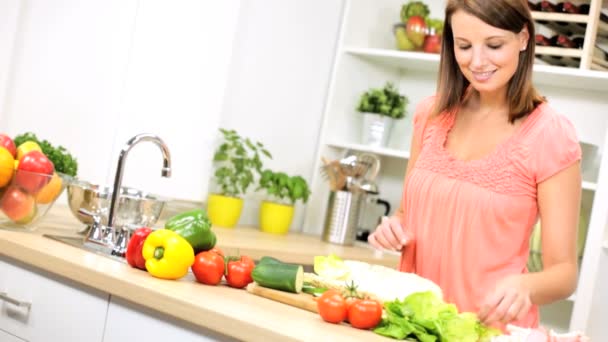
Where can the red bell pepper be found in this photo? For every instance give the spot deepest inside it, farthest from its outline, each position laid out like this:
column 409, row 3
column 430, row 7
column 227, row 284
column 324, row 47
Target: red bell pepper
column 133, row 254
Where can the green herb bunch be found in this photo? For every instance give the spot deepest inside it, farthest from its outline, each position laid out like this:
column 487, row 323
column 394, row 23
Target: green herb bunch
column 284, row 187
column 238, row 159
column 63, row 161
column 386, row 101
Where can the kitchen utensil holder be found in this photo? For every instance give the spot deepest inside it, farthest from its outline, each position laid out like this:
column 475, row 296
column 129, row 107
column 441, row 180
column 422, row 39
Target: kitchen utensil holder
column 341, row 217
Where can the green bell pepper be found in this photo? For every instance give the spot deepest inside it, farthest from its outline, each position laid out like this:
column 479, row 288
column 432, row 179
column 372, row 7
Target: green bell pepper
column 195, row 227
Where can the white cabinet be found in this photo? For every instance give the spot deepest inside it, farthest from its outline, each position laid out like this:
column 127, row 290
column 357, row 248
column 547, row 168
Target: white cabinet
column 366, row 57
column 131, row 322
column 59, row 310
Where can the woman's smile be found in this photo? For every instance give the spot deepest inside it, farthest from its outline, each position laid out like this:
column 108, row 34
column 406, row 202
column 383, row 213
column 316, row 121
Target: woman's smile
column 482, row 76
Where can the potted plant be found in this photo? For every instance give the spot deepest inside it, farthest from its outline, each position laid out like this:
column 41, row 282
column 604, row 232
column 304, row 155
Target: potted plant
column 237, row 160
column 380, row 107
column 276, row 213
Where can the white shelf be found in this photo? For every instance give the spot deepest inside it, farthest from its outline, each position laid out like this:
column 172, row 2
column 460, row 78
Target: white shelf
column 543, row 74
column 564, row 17
column 558, row 51
column 589, row 186
column 605, row 245
column 383, row 151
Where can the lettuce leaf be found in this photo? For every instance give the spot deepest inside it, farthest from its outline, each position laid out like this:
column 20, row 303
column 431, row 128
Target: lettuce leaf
column 427, row 318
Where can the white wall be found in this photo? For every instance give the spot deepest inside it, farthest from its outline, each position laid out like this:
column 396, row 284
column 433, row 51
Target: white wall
column 90, row 74
column 279, row 75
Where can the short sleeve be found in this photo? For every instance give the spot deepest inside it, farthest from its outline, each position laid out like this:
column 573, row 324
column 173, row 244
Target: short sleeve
column 557, row 148
column 421, row 116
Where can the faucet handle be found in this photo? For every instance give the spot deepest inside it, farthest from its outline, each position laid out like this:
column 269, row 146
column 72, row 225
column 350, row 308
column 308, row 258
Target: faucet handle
column 123, row 236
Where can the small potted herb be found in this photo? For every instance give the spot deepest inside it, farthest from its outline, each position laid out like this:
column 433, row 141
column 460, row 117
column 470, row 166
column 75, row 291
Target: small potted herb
column 276, row 213
column 237, row 162
column 380, row 107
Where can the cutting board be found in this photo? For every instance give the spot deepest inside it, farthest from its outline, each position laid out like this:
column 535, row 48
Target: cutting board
column 299, row 300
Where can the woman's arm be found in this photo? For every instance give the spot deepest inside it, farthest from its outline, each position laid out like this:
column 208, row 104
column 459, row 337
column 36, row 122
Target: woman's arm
column 559, row 200
column 389, row 234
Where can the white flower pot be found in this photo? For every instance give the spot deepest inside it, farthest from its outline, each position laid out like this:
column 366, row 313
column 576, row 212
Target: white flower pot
column 376, row 129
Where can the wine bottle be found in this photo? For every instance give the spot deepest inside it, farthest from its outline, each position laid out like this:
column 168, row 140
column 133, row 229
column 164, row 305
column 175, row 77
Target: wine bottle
column 547, row 6
column 570, row 8
column 579, row 41
column 541, row 40
column 561, row 40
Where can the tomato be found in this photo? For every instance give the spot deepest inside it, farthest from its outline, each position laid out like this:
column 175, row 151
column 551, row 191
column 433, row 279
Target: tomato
column 365, row 314
column 332, row 307
column 208, row 267
column 35, row 170
column 18, row 205
column 9, row 144
column 217, row 250
column 6, row 169
column 238, row 273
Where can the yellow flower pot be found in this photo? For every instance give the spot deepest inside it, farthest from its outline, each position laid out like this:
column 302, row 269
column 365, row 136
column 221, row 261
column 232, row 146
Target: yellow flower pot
column 224, row 211
column 275, row 218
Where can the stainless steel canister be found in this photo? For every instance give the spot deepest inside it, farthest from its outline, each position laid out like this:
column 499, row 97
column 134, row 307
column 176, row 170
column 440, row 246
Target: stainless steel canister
column 341, row 217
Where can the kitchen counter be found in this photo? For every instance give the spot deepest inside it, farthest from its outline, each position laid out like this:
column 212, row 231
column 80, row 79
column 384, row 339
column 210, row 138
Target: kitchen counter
column 228, row 311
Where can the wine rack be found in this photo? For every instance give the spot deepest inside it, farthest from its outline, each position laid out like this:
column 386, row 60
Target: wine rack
column 582, row 21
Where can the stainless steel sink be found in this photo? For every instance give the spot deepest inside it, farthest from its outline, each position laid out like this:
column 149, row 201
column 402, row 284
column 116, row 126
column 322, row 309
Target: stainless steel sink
column 79, row 242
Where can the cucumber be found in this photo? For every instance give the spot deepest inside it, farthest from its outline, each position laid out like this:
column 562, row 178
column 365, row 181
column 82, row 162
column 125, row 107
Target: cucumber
column 279, row 276
column 269, row 260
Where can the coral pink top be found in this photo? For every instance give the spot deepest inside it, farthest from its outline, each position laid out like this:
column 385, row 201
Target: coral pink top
column 471, row 220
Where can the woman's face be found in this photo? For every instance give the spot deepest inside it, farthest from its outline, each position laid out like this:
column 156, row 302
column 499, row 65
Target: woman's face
column 487, row 56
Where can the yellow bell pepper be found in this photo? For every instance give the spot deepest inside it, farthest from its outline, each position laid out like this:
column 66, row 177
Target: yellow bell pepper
column 167, row 254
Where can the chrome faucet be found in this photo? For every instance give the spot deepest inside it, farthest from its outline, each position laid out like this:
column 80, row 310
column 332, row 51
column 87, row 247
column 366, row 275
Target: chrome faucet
column 115, row 239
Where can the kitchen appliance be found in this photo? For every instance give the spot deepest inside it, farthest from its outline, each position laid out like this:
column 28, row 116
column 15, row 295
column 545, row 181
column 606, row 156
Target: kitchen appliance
column 371, row 213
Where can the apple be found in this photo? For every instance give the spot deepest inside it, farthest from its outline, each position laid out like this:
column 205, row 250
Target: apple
column 18, row 205
column 9, row 144
column 432, row 44
column 416, row 30
column 34, row 171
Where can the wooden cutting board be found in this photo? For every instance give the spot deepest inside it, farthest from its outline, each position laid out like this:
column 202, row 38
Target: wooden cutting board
column 299, row 300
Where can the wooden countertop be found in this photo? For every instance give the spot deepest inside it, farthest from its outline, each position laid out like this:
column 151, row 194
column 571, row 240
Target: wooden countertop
column 228, row 311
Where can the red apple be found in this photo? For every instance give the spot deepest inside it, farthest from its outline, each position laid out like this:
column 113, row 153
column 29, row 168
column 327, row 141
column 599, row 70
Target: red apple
column 416, row 30
column 35, row 170
column 432, row 44
column 18, row 205
column 7, row 142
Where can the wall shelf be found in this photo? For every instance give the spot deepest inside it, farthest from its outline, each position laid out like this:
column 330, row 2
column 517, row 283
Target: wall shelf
column 589, row 186
column 382, row 151
column 558, row 51
column 543, row 74
column 561, row 17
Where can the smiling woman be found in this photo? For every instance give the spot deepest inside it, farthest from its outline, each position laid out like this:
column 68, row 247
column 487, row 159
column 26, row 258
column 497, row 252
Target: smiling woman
column 489, row 158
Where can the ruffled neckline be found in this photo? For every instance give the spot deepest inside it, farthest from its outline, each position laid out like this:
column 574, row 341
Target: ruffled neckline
column 500, row 151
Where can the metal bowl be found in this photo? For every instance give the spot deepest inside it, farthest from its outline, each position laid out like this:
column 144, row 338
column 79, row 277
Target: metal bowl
column 135, row 207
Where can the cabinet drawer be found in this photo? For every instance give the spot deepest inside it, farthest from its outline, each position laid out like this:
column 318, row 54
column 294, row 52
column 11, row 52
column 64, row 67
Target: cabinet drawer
column 60, row 310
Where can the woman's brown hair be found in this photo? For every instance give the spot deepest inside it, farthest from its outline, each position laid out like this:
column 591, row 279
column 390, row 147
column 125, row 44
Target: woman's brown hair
column 510, row 15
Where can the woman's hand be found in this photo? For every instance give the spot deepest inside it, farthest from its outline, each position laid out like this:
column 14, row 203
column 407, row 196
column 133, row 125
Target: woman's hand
column 389, row 234
column 509, row 301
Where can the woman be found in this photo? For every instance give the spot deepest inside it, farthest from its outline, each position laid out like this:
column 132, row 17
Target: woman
column 488, row 158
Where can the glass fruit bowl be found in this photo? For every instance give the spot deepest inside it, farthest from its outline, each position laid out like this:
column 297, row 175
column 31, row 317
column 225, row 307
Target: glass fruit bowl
column 25, row 197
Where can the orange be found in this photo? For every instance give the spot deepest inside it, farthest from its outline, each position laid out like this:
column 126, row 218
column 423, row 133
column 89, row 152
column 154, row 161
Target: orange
column 7, row 163
column 50, row 191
